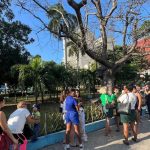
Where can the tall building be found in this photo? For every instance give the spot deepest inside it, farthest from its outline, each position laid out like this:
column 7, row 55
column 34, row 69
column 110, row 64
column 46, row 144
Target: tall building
column 84, row 61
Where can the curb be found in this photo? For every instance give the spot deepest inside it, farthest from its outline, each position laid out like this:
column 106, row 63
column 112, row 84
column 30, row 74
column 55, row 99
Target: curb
column 57, row 137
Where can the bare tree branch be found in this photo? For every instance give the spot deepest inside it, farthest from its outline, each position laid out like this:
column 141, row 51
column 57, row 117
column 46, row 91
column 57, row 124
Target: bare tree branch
column 37, row 17
column 114, row 6
column 42, row 7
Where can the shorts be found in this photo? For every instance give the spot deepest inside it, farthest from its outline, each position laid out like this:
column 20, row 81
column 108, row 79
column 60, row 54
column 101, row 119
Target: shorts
column 124, row 118
column 130, row 118
column 72, row 117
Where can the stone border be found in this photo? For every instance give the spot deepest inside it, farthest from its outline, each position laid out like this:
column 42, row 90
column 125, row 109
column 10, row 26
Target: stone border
column 54, row 138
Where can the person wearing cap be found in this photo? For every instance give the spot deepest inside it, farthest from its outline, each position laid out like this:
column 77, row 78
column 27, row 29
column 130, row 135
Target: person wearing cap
column 36, row 115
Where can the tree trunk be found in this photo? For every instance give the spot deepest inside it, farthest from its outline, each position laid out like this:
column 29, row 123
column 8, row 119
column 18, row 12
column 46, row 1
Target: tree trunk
column 35, row 93
column 108, row 80
column 41, row 91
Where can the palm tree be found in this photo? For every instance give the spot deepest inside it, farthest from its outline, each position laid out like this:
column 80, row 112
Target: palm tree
column 31, row 71
column 61, row 19
column 36, row 65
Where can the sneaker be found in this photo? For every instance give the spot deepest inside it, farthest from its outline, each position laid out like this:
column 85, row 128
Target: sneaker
column 81, row 146
column 125, row 142
column 67, row 147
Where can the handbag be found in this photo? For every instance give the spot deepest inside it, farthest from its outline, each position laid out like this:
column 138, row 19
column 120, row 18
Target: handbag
column 124, row 108
column 109, row 105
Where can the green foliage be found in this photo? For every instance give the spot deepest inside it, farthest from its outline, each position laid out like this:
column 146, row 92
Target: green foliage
column 5, row 11
column 13, row 38
column 61, row 19
column 144, row 29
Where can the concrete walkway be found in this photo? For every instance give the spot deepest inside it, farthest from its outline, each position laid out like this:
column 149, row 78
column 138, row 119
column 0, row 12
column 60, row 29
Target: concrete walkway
column 97, row 140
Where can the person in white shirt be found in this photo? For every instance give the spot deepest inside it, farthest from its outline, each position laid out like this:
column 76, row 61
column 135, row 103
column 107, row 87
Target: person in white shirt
column 126, row 119
column 18, row 119
column 82, row 122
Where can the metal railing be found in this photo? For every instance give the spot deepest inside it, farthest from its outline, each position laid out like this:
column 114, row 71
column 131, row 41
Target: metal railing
column 53, row 122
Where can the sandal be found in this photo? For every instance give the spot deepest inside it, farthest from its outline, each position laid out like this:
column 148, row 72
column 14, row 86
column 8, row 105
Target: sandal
column 134, row 139
column 125, row 142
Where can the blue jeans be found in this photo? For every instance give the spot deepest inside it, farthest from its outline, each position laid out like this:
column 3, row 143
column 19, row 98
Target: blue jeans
column 36, row 131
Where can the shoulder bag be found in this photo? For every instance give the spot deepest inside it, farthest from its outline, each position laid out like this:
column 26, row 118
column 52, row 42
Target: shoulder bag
column 124, row 108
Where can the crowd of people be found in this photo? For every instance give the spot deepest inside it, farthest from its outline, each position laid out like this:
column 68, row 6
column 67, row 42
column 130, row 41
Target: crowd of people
column 72, row 108
column 12, row 136
column 124, row 104
column 126, row 107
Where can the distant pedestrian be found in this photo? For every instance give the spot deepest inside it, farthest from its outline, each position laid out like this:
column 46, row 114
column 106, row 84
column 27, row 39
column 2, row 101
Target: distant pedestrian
column 63, row 96
column 147, row 98
column 138, row 106
column 114, row 98
column 36, row 116
column 81, row 115
column 128, row 98
column 82, row 122
column 72, row 118
column 107, row 105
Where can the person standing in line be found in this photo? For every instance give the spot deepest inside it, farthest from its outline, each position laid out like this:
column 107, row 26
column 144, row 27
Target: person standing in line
column 63, row 96
column 106, row 102
column 72, row 118
column 5, row 130
column 81, row 116
column 130, row 118
column 147, row 98
column 139, row 103
column 17, row 121
column 36, row 116
column 82, row 122
column 72, row 133
column 114, row 97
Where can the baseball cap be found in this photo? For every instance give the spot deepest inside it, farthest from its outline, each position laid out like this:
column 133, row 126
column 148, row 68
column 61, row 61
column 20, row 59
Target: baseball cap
column 36, row 106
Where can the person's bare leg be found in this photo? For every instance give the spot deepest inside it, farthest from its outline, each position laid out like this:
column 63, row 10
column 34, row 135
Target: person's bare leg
column 68, row 128
column 117, row 123
column 126, row 132
column 107, row 127
column 72, row 133
column 76, row 129
column 134, row 130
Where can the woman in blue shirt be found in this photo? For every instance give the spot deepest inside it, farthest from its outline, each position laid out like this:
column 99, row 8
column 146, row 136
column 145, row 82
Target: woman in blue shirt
column 72, row 118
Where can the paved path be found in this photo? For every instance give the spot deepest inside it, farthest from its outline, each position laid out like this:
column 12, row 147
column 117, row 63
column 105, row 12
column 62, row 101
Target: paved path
column 97, row 140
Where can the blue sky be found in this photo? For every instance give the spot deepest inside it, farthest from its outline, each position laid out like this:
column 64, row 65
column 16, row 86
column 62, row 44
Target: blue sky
column 45, row 45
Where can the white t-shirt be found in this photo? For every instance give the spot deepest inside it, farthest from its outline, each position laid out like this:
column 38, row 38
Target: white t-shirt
column 64, row 106
column 128, row 98
column 17, row 120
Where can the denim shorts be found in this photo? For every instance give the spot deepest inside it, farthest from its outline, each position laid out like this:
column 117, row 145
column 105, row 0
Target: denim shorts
column 72, row 117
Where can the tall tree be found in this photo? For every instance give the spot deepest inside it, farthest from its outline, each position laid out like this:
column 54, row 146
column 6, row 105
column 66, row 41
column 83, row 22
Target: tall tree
column 13, row 38
column 118, row 18
column 31, row 74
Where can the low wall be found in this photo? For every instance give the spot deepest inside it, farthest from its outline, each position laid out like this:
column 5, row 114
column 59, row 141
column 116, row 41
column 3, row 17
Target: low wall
column 59, row 136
